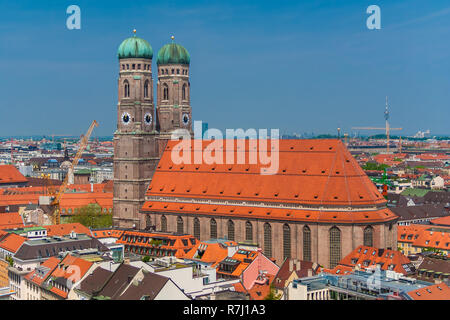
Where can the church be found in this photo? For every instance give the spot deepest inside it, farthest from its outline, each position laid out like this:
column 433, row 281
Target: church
column 319, row 206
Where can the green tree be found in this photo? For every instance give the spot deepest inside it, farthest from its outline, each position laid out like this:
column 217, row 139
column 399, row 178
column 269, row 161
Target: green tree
column 146, row 259
column 272, row 295
column 91, row 216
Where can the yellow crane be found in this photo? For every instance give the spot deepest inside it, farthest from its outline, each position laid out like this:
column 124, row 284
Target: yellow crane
column 83, row 143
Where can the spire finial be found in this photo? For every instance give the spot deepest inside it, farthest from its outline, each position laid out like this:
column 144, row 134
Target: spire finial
column 134, row 32
column 172, row 37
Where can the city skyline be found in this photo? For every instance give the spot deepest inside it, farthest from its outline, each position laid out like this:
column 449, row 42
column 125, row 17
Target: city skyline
column 317, row 64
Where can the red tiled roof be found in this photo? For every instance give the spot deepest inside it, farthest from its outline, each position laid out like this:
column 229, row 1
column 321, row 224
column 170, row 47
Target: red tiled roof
column 10, row 174
column 312, row 173
column 66, row 228
column 434, row 292
column 107, row 233
column 444, row 221
column 212, row 252
column 370, row 256
column 11, row 220
column 36, row 278
column 12, row 242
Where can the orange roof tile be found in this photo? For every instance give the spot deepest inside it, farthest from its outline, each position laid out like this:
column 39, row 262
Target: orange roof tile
column 37, row 278
column 11, row 220
column 434, row 292
column 67, row 228
column 10, row 174
column 12, row 242
column 312, row 173
column 107, row 233
column 209, row 252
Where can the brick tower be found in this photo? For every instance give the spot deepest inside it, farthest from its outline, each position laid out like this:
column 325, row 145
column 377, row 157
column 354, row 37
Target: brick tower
column 135, row 146
column 173, row 110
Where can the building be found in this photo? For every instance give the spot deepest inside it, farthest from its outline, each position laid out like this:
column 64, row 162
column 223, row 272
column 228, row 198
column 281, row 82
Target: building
column 320, row 203
column 417, row 238
column 11, row 177
column 419, row 214
column 142, row 133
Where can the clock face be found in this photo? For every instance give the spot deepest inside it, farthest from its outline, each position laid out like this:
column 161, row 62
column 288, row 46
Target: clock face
column 148, row 119
column 126, row 118
column 185, row 119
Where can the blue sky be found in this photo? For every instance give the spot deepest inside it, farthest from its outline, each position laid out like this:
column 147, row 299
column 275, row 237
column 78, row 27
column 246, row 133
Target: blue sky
column 299, row 66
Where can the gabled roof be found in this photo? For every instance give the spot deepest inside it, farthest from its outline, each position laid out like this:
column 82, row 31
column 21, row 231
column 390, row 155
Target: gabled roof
column 66, row 228
column 118, row 282
column 94, row 282
column 12, row 242
column 10, row 174
column 208, row 252
column 312, row 174
column 148, row 288
column 42, row 272
column 298, row 266
column 11, row 220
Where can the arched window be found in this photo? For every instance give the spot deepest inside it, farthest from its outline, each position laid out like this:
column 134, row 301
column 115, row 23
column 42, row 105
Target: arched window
column 286, row 241
column 183, row 92
column 197, row 228
column 306, row 243
column 126, row 89
column 335, row 246
column 213, row 229
column 248, row 231
column 267, row 240
column 180, row 225
column 146, row 89
column 368, row 236
column 165, row 92
column 230, row 225
column 163, row 224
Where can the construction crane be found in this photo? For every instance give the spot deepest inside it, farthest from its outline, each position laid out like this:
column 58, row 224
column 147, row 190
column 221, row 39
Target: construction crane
column 388, row 129
column 83, row 143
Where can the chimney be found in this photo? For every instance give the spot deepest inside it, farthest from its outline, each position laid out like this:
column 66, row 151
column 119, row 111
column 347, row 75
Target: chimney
column 297, row 264
column 310, row 273
column 291, row 265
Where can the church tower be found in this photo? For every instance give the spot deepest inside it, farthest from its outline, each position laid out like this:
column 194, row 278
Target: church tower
column 173, row 109
column 136, row 151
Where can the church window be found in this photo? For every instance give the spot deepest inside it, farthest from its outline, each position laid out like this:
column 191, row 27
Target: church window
column 128, row 66
column 178, row 71
column 230, row 225
column 165, row 92
column 146, row 89
column 286, row 241
column 180, row 225
column 163, row 223
column 183, row 92
column 167, row 71
column 173, row 71
column 126, row 89
column 139, row 66
column 306, row 243
column 368, row 236
column 335, row 246
column 134, row 66
column 213, row 229
column 248, row 231
column 267, row 240
column 197, row 228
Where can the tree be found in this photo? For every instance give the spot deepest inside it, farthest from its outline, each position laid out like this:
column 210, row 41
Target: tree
column 272, row 295
column 91, row 216
column 146, row 259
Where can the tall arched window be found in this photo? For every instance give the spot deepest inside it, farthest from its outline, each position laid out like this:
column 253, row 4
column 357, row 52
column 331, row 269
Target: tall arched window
column 165, row 92
column 248, row 231
column 286, row 241
column 163, row 224
column 368, row 236
column 183, row 92
column 267, row 240
column 335, row 246
column 230, row 225
column 180, row 225
column 306, row 243
column 213, row 229
column 126, row 89
column 197, row 228
column 146, row 89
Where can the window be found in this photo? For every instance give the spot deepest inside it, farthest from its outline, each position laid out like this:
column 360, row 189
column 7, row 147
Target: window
column 165, row 92
column 230, row 226
column 163, row 223
column 126, row 89
column 197, row 228
column 267, row 240
column 139, row 66
column 335, row 246
column 306, row 243
column 183, row 92
column 146, row 89
column 286, row 241
column 368, row 236
column 213, row 229
column 180, row 225
column 248, row 231
column 178, row 71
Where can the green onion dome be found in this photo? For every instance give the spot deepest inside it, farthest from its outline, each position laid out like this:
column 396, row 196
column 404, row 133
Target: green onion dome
column 135, row 47
column 173, row 53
